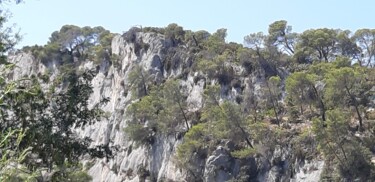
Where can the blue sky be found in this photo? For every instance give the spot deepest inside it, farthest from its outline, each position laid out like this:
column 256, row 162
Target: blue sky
column 37, row 19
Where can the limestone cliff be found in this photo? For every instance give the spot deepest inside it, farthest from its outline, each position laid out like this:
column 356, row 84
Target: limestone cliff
column 158, row 160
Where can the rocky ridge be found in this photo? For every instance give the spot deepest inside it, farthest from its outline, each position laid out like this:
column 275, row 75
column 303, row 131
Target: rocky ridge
column 157, row 162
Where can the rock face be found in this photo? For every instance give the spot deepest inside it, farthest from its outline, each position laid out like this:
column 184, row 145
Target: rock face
column 132, row 163
column 220, row 166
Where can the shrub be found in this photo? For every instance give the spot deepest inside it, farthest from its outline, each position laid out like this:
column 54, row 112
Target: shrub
column 131, row 34
column 193, row 143
column 244, row 153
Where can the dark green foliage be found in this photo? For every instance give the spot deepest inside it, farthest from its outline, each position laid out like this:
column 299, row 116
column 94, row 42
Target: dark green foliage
column 281, row 36
column 71, row 173
column 365, row 39
column 139, row 80
column 140, row 134
column 218, row 68
column 153, row 30
column 175, row 33
column 195, row 147
column 161, row 111
column 352, row 161
column 49, row 122
column 311, row 74
column 143, row 111
column 320, row 44
column 73, row 42
column 131, row 34
column 8, row 39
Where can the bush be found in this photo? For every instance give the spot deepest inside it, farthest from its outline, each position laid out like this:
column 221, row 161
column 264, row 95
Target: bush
column 154, row 30
column 244, row 153
column 131, row 34
column 140, row 134
column 193, row 143
column 175, row 33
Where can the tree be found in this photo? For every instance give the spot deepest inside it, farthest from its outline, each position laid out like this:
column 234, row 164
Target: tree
column 221, row 34
column 225, row 120
column 347, row 45
column 200, row 37
column 102, row 49
column 280, row 34
column 175, row 106
column 159, row 112
column 217, row 67
column 139, row 80
column 193, row 147
column 48, row 123
column 343, row 85
column 175, row 33
column 8, row 39
column 77, row 41
column 143, row 126
column 266, row 55
column 255, row 41
column 299, row 89
column 10, row 163
column 215, row 43
column 274, row 92
column 365, row 39
column 341, row 149
column 321, row 43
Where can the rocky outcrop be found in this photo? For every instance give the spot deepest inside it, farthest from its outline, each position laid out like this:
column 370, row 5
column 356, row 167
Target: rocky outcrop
column 157, row 162
column 220, row 166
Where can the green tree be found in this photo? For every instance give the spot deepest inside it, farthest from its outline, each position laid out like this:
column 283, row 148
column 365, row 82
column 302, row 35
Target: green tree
column 220, row 34
column 299, row 89
column 347, row 45
column 274, row 92
column 78, row 41
column 174, row 104
column 159, row 112
column 217, row 67
column 139, row 80
column 267, row 55
column 344, row 86
column 8, row 39
column 200, row 37
column 10, row 158
column 50, row 135
column 280, row 34
column 143, row 126
column 175, row 33
column 215, row 44
column 365, row 39
column 193, row 146
column 225, row 120
column 319, row 43
column 255, row 41
column 341, row 149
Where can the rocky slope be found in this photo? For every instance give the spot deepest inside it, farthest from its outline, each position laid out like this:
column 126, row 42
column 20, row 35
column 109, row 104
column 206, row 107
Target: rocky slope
column 158, row 162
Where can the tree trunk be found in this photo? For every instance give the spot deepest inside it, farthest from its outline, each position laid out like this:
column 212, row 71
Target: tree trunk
column 356, row 107
column 288, row 46
column 184, row 115
column 244, row 134
column 273, row 105
column 321, row 104
column 144, row 83
column 301, row 106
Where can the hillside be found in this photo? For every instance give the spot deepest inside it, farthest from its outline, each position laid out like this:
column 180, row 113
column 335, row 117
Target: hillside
column 189, row 106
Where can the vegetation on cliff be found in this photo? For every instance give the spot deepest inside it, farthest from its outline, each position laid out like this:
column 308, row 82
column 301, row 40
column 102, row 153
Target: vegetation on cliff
column 309, row 92
column 316, row 84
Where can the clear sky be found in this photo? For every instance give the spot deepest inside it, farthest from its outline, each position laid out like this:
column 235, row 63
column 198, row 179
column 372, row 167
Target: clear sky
column 37, row 19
